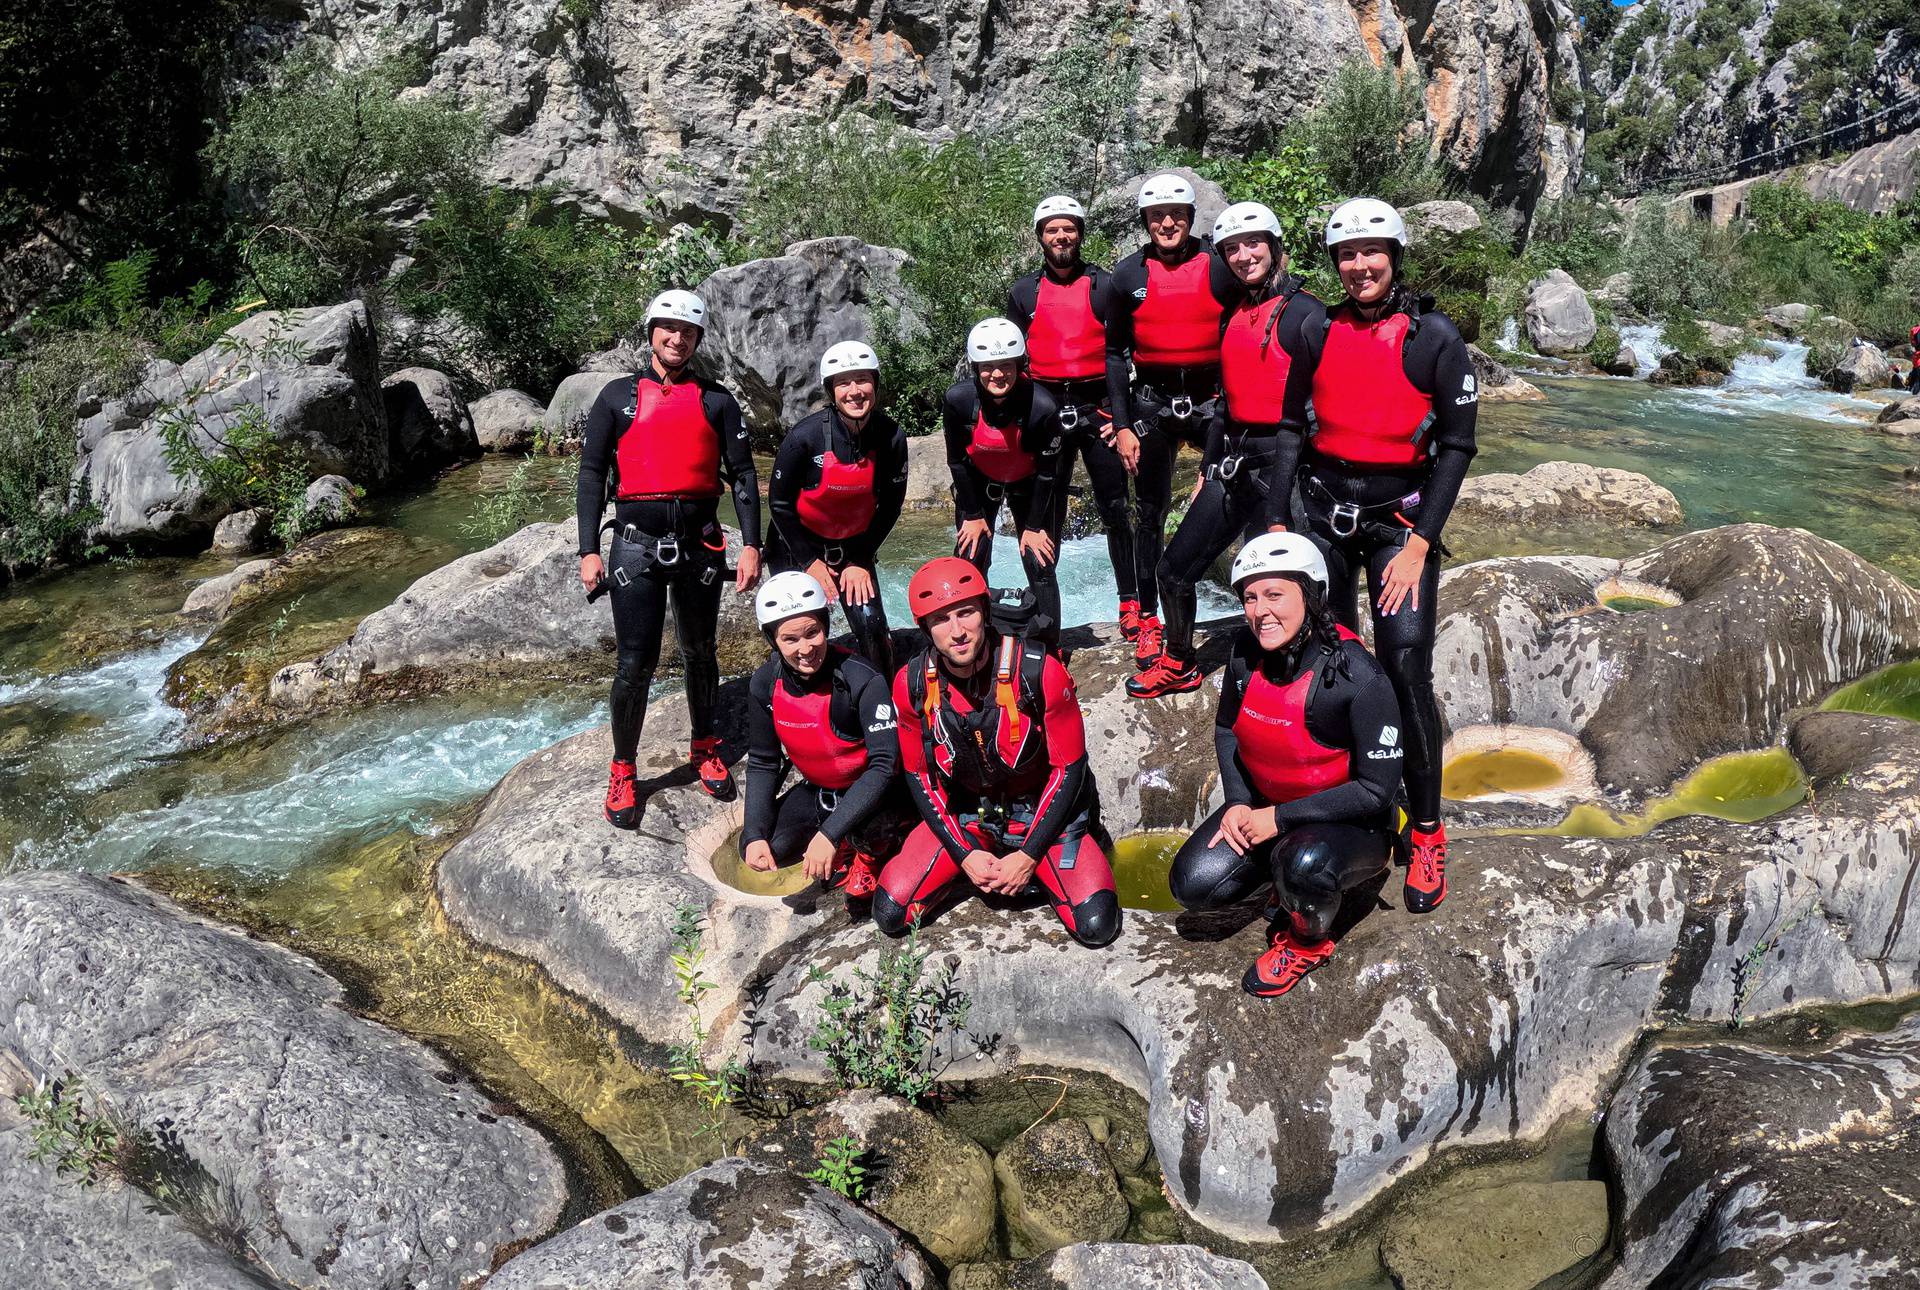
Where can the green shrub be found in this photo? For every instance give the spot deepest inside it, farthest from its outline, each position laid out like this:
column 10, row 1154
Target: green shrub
column 1083, row 126
column 1293, row 181
column 1606, row 345
column 1677, row 263
column 1369, row 134
column 118, row 296
column 87, row 1143
column 891, row 1028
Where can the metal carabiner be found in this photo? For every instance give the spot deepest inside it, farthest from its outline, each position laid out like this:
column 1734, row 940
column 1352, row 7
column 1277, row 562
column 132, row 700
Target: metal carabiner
column 1070, row 417
column 996, row 492
column 666, row 551
column 1347, row 511
column 1181, row 406
column 1228, row 467
column 829, row 799
column 835, row 555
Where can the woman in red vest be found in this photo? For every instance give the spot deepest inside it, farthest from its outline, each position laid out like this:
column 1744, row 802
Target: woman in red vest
column 664, row 445
column 1263, row 395
column 1394, row 404
column 1307, row 734
column 829, row 715
column 838, row 484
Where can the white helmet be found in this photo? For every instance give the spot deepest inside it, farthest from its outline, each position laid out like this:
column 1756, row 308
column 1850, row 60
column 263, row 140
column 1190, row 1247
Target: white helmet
column 1270, row 553
column 1060, row 207
column 1365, row 217
column 1167, row 189
column 677, row 306
column 994, row 340
column 1243, row 218
column 848, row 356
column 787, row 595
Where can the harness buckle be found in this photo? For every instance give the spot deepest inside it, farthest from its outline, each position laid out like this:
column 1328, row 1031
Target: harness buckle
column 666, row 551
column 1228, row 466
column 996, row 491
column 829, row 799
column 1180, row 406
column 1344, row 520
column 1070, row 417
column 709, row 575
column 835, row 555
column 620, row 576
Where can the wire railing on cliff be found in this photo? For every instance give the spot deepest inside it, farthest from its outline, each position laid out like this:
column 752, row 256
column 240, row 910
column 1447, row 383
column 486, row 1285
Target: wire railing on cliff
column 1901, row 115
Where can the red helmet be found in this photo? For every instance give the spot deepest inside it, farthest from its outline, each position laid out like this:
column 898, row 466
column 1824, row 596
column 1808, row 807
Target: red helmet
column 941, row 582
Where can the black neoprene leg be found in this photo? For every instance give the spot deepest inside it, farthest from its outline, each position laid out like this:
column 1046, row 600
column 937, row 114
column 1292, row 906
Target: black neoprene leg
column 639, row 622
column 991, row 495
column 1153, row 494
column 1222, row 513
column 1043, row 579
column 796, row 819
column 1403, row 642
column 1108, row 478
column 696, row 618
column 1207, row 877
column 1314, row 865
column 868, row 623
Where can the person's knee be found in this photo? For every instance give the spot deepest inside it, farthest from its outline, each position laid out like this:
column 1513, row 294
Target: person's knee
column 889, row 915
column 1194, row 880
column 1311, row 871
column 1096, row 920
column 1409, row 666
column 631, row 669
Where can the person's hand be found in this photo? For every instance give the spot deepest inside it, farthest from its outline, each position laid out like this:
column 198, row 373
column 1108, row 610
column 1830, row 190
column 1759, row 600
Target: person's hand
column 1036, row 543
column 759, row 857
column 981, row 868
column 824, row 576
column 817, row 860
column 972, row 534
column 1012, row 873
column 857, row 584
column 1127, row 444
column 1401, row 581
column 592, row 570
column 1262, row 827
column 1198, row 484
column 1234, row 829
column 747, row 572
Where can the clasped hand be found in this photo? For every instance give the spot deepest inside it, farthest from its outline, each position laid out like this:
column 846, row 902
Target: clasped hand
column 1005, row 875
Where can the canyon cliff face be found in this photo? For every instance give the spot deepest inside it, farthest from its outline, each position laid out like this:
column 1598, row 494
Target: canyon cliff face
column 654, row 111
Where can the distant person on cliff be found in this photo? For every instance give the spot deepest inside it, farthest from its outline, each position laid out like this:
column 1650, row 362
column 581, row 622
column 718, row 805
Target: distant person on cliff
column 1163, row 368
column 995, row 755
column 1394, row 405
column 839, row 481
column 828, row 714
column 1308, row 740
column 664, row 446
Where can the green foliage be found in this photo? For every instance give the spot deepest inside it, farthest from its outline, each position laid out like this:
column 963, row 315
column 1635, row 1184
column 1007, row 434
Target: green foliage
column 1083, row 125
column 119, row 296
column 1798, row 20
column 686, row 1061
column 1291, row 180
column 270, row 647
column 500, row 515
column 314, row 158
column 1648, row 19
column 1606, row 345
column 88, row 1144
column 892, row 1027
column 1674, row 264
column 841, row 1167
column 1369, row 134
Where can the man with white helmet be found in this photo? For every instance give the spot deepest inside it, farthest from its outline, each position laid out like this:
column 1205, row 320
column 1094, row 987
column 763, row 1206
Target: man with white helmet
column 828, row 715
column 1263, row 397
column 1061, row 307
column 838, row 484
column 1308, row 741
column 1003, row 445
column 663, row 445
column 1394, row 404
column 1163, row 368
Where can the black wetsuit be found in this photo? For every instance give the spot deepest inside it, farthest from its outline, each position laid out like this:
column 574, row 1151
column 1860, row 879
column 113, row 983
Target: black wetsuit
column 1241, row 493
column 798, row 480
column 873, row 812
column 642, row 580
column 1390, row 497
column 1330, row 840
column 1030, row 422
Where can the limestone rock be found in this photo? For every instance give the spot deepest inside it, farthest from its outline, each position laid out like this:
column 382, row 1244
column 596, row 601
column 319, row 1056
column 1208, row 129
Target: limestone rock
column 1559, row 492
column 243, row 532
column 1615, row 290
column 1113, row 1265
column 214, row 597
column 729, row 1225
column 566, row 415
column 1057, row 1188
column 1497, row 382
column 625, row 358
column 771, row 320
column 506, row 421
column 929, row 479
column 342, row 1153
column 331, row 500
column 1511, row 1237
column 1116, row 209
column 1861, row 366
column 429, row 421
column 1900, row 419
column 314, row 373
column 1723, row 337
column 1625, row 362
column 1789, row 320
column 1439, row 220
column 1878, row 177
column 1559, row 319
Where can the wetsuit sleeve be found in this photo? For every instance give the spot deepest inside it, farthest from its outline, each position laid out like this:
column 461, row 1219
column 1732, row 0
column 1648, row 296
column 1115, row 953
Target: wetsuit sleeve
column 890, row 496
column 1041, row 437
column 1363, row 716
column 602, row 432
column 1225, row 287
column 791, row 467
column 1118, row 324
column 923, row 781
column 1226, row 744
column 1061, row 798
column 956, row 416
column 1021, row 300
column 873, row 708
column 737, row 462
column 1301, row 336
column 764, row 760
column 1441, row 366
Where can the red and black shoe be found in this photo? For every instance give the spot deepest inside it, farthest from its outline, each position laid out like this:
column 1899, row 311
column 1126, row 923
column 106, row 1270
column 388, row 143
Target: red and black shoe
column 1426, row 883
column 713, row 773
column 1168, row 675
column 1148, row 643
column 622, row 811
column 1286, row 961
column 859, row 878
column 1130, row 620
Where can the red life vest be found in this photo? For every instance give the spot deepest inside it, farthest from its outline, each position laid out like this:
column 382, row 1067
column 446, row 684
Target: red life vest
column 997, row 451
column 1178, row 324
column 1284, row 762
column 669, row 449
column 1065, row 342
column 804, row 723
column 842, row 504
column 1365, row 409
column 1254, row 364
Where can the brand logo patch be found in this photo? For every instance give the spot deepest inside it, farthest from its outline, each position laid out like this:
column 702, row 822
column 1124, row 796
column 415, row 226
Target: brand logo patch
column 883, row 713
column 1389, row 736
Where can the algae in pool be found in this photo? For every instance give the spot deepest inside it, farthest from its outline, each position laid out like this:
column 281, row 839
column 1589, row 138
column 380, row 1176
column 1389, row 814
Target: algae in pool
column 1140, row 865
column 1890, row 692
column 1631, row 604
column 1498, row 770
column 1742, row 787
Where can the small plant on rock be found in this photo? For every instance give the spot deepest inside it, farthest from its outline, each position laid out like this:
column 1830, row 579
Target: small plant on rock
column 686, row 1061
column 840, row 1167
column 891, row 1027
column 87, row 1143
column 497, row 516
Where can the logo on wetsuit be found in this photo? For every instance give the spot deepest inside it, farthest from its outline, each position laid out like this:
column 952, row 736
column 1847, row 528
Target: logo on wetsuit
column 1471, row 392
column 1389, row 749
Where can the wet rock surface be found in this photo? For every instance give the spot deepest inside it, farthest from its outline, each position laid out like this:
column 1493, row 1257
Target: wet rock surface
column 428, row 420
column 1559, row 319
column 1559, row 492
column 1113, row 1266
column 1057, row 1188
column 340, row 1153
column 1510, row 1237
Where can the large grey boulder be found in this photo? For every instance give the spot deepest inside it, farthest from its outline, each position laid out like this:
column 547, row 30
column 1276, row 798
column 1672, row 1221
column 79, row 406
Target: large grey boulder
column 314, row 373
column 1116, row 209
column 428, row 419
column 1112, row 1265
column 566, row 416
column 243, row 532
column 330, row 500
column 1741, row 1164
column 730, row 1225
column 340, row 1153
column 1563, row 492
column 929, row 478
column 1497, row 381
column 1436, row 222
column 1559, row 319
column 506, row 421
column 1058, row 1188
column 1789, row 319
column 770, row 320
column 214, row 597
column 1901, row 420
column 1861, row 366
